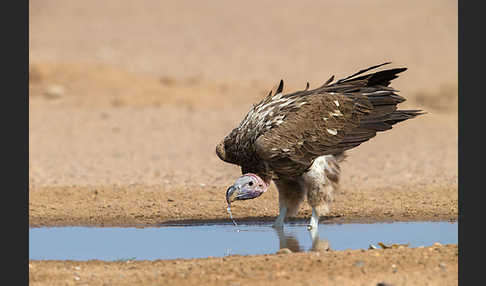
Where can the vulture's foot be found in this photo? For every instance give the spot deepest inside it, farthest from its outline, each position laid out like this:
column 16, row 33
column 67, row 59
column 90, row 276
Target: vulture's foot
column 314, row 220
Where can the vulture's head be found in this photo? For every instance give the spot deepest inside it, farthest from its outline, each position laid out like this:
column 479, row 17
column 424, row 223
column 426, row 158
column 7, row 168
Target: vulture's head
column 248, row 186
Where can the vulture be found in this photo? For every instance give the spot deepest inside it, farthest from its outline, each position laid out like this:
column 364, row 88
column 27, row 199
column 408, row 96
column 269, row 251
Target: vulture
column 297, row 140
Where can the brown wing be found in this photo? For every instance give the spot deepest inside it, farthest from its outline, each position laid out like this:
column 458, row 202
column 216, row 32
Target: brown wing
column 336, row 117
column 316, row 129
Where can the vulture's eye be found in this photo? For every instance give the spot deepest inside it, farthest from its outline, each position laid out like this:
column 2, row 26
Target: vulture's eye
column 250, row 183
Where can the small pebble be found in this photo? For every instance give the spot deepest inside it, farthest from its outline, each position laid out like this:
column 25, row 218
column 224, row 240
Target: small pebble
column 359, row 263
column 284, row 251
column 54, row 91
column 321, row 245
column 77, row 278
column 166, row 80
column 383, row 284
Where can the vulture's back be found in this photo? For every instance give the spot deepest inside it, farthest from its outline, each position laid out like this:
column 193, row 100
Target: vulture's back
column 283, row 134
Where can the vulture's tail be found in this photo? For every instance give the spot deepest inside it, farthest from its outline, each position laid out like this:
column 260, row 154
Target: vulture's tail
column 374, row 87
column 383, row 98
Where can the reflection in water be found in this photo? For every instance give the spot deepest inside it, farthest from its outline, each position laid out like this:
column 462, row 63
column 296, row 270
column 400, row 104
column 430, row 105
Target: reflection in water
column 288, row 239
column 198, row 241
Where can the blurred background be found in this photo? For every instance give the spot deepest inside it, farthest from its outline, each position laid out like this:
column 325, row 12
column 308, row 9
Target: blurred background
column 140, row 92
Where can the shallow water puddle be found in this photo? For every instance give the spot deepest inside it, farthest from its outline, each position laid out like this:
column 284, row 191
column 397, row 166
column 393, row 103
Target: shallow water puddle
column 197, row 241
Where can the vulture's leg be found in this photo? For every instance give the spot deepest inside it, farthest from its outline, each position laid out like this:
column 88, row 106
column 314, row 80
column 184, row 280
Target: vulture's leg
column 320, row 182
column 314, row 234
column 282, row 212
column 317, row 243
column 314, row 220
column 290, row 196
column 319, row 198
column 287, row 240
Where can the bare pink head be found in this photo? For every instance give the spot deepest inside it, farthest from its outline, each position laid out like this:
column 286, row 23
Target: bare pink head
column 248, row 186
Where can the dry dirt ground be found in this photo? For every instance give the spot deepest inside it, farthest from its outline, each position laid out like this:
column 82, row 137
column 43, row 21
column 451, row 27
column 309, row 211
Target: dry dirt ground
column 129, row 99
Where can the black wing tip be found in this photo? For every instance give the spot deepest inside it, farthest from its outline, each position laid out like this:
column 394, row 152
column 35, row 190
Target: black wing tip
column 387, row 63
column 402, row 115
column 397, row 70
column 278, row 90
column 307, row 86
column 412, row 113
column 280, row 87
column 393, row 72
column 328, row 81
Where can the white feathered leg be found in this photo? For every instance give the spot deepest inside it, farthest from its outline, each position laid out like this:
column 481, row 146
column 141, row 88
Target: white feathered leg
column 290, row 196
column 317, row 243
column 282, row 212
column 321, row 181
column 314, row 220
column 314, row 234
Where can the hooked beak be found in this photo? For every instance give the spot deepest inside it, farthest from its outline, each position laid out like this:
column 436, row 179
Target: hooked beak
column 231, row 194
column 236, row 192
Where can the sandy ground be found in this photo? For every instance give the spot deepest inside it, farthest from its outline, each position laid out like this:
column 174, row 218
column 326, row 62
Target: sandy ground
column 128, row 101
column 420, row 266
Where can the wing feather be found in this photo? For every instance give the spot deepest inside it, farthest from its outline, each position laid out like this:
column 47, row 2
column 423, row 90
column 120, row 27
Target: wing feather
column 336, row 118
column 313, row 130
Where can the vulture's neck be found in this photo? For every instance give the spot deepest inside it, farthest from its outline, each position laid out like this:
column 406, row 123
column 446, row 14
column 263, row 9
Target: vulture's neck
column 260, row 169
